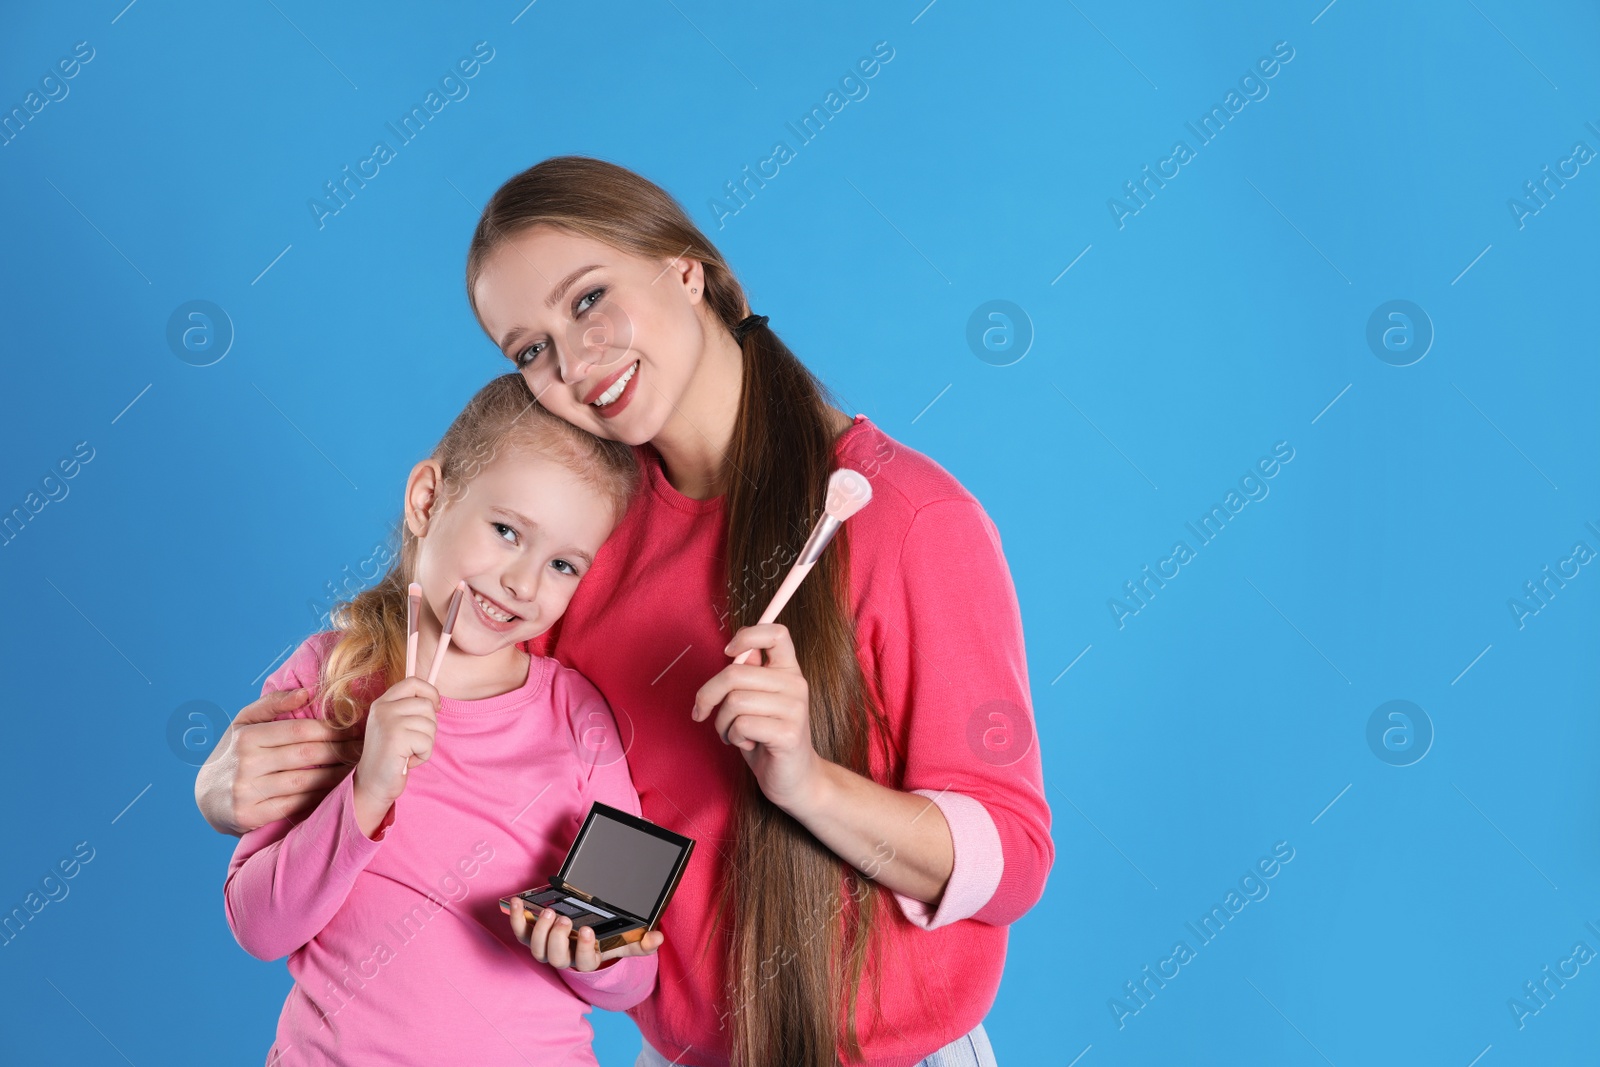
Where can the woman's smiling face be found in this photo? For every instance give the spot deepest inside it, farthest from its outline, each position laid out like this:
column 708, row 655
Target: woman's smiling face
column 607, row 340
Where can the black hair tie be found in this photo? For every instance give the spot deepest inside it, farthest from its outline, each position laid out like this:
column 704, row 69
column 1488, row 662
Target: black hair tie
column 747, row 325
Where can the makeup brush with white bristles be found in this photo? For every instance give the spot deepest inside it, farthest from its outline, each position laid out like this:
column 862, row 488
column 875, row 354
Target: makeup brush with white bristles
column 848, row 492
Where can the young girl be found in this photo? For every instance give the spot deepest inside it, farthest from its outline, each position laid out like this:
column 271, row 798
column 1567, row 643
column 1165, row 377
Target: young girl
column 385, row 898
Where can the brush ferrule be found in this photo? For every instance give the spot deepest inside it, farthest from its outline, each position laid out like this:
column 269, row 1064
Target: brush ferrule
column 820, row 536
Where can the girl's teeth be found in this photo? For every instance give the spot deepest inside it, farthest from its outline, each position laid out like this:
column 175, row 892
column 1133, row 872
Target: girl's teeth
column 491, row 611
column 616, row 387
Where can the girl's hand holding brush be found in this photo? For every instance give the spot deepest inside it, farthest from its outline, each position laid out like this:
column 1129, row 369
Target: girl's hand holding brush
column 401, row 724
column 400, row 731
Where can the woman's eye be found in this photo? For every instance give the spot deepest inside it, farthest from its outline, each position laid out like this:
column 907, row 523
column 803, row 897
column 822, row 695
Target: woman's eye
column 560, row 563
column 527, row 355
column 502, row 529
column 583, row 303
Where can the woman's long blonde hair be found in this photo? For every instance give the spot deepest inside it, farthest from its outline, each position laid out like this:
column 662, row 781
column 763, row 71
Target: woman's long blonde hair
column 802, row 918
column 501, row 419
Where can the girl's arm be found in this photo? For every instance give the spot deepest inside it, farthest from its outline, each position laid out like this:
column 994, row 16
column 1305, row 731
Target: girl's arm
column 970, row 835
column 287, row 881
column 624, row 981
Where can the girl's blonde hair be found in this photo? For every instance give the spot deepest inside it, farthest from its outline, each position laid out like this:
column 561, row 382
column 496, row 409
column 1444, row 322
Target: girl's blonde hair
column 501, row 419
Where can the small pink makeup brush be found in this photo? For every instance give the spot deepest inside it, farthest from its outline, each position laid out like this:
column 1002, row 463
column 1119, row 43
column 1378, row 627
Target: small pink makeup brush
column 848, row 492
column 449, row 625
column 413, row 614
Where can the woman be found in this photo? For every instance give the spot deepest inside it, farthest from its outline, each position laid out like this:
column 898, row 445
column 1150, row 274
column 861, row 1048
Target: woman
column 868, row 802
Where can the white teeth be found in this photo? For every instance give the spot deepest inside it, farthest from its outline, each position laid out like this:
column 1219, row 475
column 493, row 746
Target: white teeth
column 616, row 387
column 490, row 610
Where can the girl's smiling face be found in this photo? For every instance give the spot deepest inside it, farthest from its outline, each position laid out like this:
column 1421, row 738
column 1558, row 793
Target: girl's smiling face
column 521, row 532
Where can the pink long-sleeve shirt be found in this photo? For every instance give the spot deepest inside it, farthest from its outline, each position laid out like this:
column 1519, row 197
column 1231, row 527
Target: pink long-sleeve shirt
column 398, row 947
column 939, row 636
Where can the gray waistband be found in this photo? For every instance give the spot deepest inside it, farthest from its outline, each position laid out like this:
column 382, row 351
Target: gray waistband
column 969, row 1050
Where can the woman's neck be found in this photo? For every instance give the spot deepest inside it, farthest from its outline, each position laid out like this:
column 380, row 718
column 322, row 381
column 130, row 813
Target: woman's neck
column 694, row 442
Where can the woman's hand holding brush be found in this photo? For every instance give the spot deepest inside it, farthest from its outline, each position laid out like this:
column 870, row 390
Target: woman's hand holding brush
column 764, row 708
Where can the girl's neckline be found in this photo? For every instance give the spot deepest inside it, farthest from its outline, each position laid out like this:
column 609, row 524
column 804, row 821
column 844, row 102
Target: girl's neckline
column 537, row 665
column 664, row 491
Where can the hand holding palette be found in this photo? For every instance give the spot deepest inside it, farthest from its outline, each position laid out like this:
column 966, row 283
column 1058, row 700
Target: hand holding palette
column 617, row 878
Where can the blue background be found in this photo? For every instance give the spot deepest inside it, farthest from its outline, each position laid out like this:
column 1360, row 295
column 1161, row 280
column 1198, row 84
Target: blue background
column 1229, row 314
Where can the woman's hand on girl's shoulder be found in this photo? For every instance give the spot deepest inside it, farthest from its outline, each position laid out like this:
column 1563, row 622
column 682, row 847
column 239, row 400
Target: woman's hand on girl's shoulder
column 764, row 709
column 400, row 730
column 549, row 940
column 271, row 766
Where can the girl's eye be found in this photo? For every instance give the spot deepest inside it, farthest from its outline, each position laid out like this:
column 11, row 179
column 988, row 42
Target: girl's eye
column 560, row 563
column 582, row 305
column 501, row 529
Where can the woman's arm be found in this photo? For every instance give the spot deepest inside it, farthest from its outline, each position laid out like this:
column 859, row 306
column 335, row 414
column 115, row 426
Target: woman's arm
column 267, row 768
column 970, row 835
column 898, row 839
column 902, row 841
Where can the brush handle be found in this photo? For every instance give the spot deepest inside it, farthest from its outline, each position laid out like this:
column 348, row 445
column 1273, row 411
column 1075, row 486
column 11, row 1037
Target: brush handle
column 433, row 674
column 438, row 657
column 449, row 626
column 780, row 600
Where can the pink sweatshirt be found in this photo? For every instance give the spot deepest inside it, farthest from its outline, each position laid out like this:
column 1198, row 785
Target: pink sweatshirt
column 398, row 948
column 939, row 638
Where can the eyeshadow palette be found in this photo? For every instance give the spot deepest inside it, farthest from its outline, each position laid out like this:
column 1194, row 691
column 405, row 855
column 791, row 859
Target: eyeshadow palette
column 618, row 877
